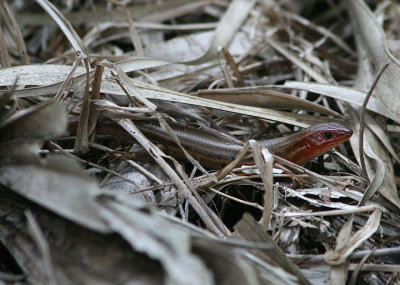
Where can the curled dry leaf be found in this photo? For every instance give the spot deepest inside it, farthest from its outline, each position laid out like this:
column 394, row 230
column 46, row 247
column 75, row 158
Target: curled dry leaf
column 348, row 242
column 22, row 131
column 379, row 168
column 379, row 164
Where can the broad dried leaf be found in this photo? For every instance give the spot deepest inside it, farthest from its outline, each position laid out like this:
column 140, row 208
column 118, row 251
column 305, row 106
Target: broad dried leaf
column 41, row 122
column 78, row 255
column 56, row 185
column 346, row 94
column 374, row 41
column 218, row 258
column 248, row 229
column 144, row 230
column 47, row 74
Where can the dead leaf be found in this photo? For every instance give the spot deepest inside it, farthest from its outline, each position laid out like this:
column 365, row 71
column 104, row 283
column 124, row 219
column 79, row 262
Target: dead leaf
column 347, row 242
column 374, row 41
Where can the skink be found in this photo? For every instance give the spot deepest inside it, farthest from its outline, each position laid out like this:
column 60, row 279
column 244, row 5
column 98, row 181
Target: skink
column 215, row 152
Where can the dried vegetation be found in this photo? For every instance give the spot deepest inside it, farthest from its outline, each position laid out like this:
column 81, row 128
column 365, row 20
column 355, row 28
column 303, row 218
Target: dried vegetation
column 86, row 198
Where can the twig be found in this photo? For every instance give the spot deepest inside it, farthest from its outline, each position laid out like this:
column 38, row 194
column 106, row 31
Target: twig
column 251, row 204
column 94, row 165
column 359, row 266
column 362, row 121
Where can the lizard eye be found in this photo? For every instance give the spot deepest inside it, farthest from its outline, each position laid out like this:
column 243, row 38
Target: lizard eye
column 328, row 135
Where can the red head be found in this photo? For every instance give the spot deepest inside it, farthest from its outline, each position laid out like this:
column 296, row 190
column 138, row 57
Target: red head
column 316, row 140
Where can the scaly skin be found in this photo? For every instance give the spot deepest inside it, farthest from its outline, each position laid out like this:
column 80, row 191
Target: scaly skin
column 215, row 152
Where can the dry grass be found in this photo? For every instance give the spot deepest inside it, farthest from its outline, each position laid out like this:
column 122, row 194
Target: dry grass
column 87, row 198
